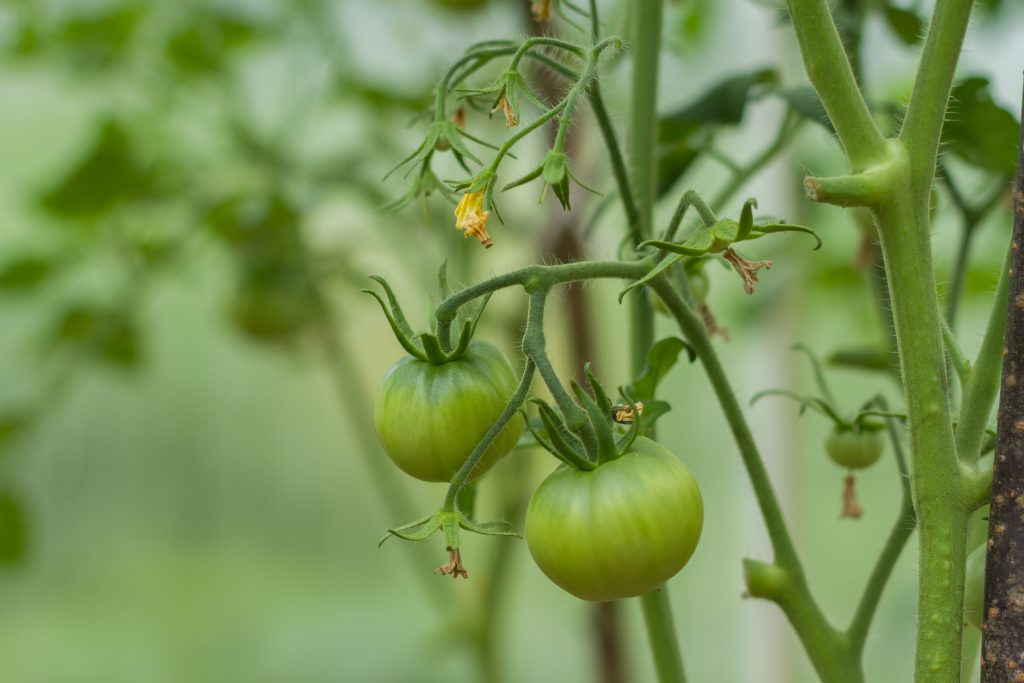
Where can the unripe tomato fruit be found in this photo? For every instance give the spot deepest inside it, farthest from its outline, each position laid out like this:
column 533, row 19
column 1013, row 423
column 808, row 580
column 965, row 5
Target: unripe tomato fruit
column 855, row 449
column 974, row 588
column 429, row 417
column 619, row 530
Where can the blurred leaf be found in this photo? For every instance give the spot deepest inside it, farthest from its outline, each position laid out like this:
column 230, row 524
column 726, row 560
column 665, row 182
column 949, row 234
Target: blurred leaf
column 683, row 134
column 274, row 311
column 978, row 130
column 909, row 27
column 107, row 335
column 13, row 531
column 804, row 101
column 206, row 41
column 12, row 424
column 25, row 273
column 868, row 358
column 660, row 359
column 100, row 39
column 108, row 175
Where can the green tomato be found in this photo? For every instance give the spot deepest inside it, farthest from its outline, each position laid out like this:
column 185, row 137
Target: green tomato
column 430, row 417
column 974, row 590
column 855, row 449
column 619, row 530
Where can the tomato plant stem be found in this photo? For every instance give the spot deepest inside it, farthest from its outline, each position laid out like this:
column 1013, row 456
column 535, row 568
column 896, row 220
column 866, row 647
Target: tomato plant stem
column 982, row 385
column 828, row 649
column 902, row 529
column 661, row 632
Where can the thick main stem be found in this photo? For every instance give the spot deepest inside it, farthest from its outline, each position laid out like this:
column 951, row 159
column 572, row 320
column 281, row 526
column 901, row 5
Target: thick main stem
column 647, row 16
column 935, row 478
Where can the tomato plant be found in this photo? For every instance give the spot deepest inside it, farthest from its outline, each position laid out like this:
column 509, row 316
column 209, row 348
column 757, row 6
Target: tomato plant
column 619, row 530
column 429, row 416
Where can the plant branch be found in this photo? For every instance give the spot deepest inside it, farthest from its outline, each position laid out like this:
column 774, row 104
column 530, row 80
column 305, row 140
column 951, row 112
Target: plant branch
column 922, row 126
column 982, row 385
column 661, row 632
column 902, row 529
column 828, row 68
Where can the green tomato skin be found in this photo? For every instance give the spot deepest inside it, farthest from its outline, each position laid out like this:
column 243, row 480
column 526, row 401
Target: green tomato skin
column 430, row 417
column 974, row 590
column 619, row 530
column 855, row 450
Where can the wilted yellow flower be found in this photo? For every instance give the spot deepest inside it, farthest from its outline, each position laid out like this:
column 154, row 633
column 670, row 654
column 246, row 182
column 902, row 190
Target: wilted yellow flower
column 472, row 219
column 511, row 120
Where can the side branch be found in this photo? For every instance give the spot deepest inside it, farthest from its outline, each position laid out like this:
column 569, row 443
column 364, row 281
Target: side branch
column 829, row 71
column 927, row 111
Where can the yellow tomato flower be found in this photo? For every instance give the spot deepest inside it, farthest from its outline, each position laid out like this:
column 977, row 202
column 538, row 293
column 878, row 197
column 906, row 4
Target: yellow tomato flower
column 472, row 219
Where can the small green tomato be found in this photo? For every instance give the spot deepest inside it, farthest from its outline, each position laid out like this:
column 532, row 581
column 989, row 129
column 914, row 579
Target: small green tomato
column 430, row 416
column 619, row 530
column 855, row 449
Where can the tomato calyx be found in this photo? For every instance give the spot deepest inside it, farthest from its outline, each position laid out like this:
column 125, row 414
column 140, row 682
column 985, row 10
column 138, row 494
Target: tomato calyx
column 855, row 442
column 555, row 436
column 449, row 522
column 426, row 346
column 717, row 236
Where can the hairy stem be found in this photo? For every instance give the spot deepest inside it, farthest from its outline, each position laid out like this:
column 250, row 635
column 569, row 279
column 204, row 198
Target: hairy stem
column 829, row 71
column 661, row 632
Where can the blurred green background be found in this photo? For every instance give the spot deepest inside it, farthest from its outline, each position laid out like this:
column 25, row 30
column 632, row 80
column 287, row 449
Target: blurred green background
column 190, row 199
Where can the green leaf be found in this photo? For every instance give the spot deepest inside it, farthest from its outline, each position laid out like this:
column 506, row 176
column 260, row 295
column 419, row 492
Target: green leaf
column 660, row 359
column 99, row 39
column 13, row 530
column 25, row 273
column 109, row 175
column 979, row 131
column 804, row 101
column 205, row 42
column 683, row 134
column 652, row 411
column 108, row 335
column 909, row 27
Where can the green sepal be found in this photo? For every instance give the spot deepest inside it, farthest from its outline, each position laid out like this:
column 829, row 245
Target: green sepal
column 623, row 444
column 819, row 373
column 414, row 531
column 449, row 522
column 681, row 249
column 565, row 445
column 496, row 528
column 652, row 274
column 398, row 324
column 762, row 229
column 426, row 148
column 432, row 350
column 532, row 175
column 601, row 421
column 746, row 219
column 818, row 404
column 600, row 395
